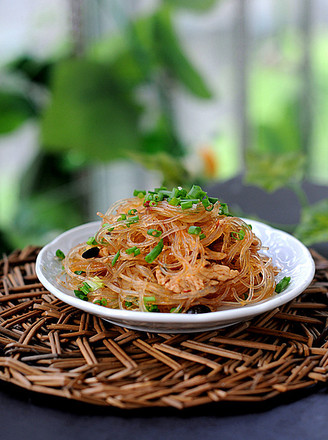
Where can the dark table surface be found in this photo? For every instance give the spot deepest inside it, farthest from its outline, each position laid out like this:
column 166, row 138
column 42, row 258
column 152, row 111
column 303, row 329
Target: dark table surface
column 301, row 415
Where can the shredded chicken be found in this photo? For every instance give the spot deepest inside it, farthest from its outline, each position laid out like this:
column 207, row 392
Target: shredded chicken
column 210, row 275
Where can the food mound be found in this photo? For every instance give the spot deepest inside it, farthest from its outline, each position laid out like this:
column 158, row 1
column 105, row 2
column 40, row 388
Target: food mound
column 170, row 251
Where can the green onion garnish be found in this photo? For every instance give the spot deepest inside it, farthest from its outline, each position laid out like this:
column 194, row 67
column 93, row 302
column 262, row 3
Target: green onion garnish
column 85, row 288
column 152, row 308
column 224, row 210
column 133, row 219
column 179, row 197
column 81, row 295
column 209, row 207
column 79, row 272
column 115, row 258
column 122, row 217
column 154, row 253
column 91, row 241
column 162, row 188
column 195, row 230
column 139, row 193
column 174, row 201
column 202, row 236
column 282, row 285
column 133, row 250
column 158, row 197
column 132, row 211
column 186, row 205
column 102, row 301
column 173, row 310
column 206, row 203
column 154, row 232
column 60, row 254
column 128, row 304
column 238, row 235
column 196, row 192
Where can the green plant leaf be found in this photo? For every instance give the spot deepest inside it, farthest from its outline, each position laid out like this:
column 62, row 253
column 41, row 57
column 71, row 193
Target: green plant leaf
column 90, row 112
column 271, row 171
column 171, row 56
column 116, row 53
column 197, row 5
column 15, row 109
column 313, row 227
column 37, row 71
column 172, row 169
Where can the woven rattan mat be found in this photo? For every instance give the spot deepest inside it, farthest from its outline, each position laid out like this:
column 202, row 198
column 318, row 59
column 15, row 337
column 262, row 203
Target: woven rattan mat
column 50, row 347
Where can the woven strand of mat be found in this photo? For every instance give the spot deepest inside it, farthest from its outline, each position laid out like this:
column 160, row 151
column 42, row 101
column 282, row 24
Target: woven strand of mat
column 50, row 347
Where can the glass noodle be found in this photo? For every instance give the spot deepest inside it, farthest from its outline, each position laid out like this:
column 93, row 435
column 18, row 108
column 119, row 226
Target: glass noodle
column 163, row 257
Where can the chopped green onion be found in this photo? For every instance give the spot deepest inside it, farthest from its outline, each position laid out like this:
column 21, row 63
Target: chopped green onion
column 196, row 192
column 79, row 272
column 165, row 193
column 132, row 211
column 133, row 219
column 115, row 258
column 158, row 197
column 195, row 230
column 213, row 199
column 133, row 250
column 238, row 235
column 122, row 217
column 224, row 210
column 206, row 203
column 186, row 205
column 154, row 253
column 174, row 310
column 81, row 295
column 85, row 288
column 108, row 227
column 209, row 208
column 282, row 285
column 152, row 203
column 128, row 304
column 154, row 232
column 152, row 308
column 139, row 193
column 102, row 301
column 179, row 192
column 162, row 188
column 91, row 241
column 94, row 283
column 202, row 236
column 174, row 201
column 60, row 254
column 149, row 299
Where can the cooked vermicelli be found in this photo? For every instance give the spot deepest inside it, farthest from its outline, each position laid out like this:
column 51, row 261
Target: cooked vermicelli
column 170, row 251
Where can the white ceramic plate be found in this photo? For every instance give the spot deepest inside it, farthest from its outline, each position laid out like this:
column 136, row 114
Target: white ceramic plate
column 289, row 254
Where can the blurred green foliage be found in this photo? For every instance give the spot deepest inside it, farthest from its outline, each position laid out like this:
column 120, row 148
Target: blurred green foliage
column 95, row 114
column 95, row 100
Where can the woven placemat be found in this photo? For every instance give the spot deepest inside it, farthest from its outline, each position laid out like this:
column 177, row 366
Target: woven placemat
column 50, row 347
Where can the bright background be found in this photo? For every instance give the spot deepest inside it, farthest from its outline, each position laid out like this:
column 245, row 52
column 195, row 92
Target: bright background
column 98, row 98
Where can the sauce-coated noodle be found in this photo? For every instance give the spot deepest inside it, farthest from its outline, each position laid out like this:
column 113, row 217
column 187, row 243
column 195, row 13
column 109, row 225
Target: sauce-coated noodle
column 195, row 257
